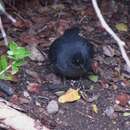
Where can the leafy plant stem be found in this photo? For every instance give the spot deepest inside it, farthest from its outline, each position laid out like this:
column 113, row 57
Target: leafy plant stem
column 8, row 67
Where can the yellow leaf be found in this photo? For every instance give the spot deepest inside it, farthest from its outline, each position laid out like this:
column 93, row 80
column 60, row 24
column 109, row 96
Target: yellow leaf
column 70, row 96
column 94, row 108
column 126, row 114
column 122, row 27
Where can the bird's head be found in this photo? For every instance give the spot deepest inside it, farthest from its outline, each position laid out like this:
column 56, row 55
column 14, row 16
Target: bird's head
column 78, row 60
column 81, row 62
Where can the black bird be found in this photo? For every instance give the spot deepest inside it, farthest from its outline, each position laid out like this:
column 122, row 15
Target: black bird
column 71, row 54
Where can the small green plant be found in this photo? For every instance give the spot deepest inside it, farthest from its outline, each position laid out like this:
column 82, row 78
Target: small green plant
column 11, row 62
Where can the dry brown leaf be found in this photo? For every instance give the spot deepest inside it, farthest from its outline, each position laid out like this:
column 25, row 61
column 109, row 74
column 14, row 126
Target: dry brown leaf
column 122, row 99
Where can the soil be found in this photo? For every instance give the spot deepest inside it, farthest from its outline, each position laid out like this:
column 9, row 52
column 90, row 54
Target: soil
column 40, row 23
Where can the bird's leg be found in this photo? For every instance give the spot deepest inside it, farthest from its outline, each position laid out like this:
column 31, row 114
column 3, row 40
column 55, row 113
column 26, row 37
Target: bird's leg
column 64, row 80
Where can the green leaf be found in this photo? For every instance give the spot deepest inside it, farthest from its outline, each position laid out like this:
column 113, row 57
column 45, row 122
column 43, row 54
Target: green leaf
column 3, row 62
column 2, row 76
column 21, row 53
column 9, row 77
column 15, row 52
column 6, row 77
column 93, row 78
column 16, row 66
column 13, row 46
column 19, row 62
column 10, row 53
column 15, row 69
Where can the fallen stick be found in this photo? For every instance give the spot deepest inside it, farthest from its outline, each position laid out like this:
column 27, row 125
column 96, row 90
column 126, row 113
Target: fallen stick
column 16, row 120
column 120, row 43
column 3, row 11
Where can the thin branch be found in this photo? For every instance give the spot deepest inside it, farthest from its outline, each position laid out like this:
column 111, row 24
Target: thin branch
column 10, row 17
column 3, row 11
column 7, row 68
column 3, row 33
column 120, row 43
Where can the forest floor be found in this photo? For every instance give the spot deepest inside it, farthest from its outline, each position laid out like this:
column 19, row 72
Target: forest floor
column 97, row 108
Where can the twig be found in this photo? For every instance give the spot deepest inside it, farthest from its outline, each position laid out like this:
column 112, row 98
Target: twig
column 3, row 11
column 120, row 43
column 10, row 17
column 8, row 67
column 3, row 33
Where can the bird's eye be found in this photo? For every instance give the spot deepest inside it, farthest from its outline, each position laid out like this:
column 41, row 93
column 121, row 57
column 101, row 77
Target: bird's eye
column 77, row 61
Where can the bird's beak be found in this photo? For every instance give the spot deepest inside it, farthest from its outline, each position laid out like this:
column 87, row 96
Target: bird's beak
column 83, row 68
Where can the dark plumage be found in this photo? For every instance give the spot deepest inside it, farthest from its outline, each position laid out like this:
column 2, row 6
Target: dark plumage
column 71, row 54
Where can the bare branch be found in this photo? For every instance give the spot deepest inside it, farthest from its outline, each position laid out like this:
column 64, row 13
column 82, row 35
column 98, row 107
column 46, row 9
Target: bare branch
column 3, row 33
column 120, row 43
column 10, row 17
